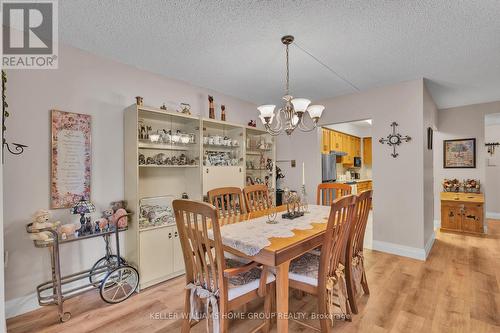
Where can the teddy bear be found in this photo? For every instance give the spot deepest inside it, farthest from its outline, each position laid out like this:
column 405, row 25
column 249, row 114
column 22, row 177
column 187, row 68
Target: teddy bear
column 68, row 229
column 40, row 220
column 106, row 220
column 119, row 210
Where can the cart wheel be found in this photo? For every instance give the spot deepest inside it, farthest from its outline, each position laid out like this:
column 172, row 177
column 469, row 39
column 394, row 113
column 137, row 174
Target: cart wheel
column 110, row 262
column 65, row 317
column 119, row 284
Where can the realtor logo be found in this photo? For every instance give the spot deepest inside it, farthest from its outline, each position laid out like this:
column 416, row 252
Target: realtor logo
column 29, row 36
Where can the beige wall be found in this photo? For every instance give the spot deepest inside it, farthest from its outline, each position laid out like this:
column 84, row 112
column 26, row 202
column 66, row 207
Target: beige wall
column 398, row 213
column 88, row 84
column 458, row 123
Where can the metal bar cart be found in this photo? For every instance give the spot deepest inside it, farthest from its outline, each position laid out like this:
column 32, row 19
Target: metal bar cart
column 115, row 279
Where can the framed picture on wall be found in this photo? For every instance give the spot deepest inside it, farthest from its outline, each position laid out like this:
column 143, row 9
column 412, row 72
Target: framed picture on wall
column 459, row 153
column 71, row 158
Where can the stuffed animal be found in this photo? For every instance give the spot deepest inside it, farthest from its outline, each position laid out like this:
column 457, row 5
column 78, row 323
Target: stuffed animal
column 117, row 220
column 40, row 221
column 68, row 229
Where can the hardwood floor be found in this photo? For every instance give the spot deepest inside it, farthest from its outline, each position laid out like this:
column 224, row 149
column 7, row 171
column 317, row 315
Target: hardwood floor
column 456, row 290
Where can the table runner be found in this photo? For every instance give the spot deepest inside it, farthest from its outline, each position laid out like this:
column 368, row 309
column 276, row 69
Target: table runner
column 250, row 237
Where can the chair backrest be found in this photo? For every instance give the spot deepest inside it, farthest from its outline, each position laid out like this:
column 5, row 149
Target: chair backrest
column 203, row 257
column 228, row 201
column 256, row 197
column 328, row 192
column 336, row 236
column 357, row 234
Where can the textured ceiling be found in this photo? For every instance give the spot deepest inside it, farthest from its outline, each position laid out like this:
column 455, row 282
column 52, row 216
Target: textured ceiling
column 234, row 46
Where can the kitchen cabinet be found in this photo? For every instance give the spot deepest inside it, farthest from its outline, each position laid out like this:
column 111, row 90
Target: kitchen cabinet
column 367, row 151
column 325, row 141
column 357, row 147
column 462, row 212
column 222, row 176
column 364, row 186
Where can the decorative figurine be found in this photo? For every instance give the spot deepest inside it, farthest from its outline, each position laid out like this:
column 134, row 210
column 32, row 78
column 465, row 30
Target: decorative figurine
column 252, row 123
column 184, row 195
column 185, row 108
column 139, row 100
column 223, row 113
column 67, row 230
column 163, row 107
column 211, row 108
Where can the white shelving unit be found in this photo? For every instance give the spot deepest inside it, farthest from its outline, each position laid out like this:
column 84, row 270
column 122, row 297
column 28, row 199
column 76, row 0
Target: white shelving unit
column 155, row 249
column 259, row 147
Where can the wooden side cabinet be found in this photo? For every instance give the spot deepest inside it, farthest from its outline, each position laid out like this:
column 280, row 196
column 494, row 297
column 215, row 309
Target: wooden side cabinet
column 462, row 212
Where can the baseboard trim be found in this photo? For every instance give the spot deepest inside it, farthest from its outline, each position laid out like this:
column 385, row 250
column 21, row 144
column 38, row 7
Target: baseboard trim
column 492, row 215
column 20, row 305
column 400, row 250
column 429, row 244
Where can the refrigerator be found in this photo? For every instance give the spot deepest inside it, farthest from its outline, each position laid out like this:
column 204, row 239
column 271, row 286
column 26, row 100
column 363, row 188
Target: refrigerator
column 329, row 166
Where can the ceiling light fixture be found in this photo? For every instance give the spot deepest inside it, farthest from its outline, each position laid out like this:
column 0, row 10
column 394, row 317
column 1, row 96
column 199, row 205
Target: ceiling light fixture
column 292, row 114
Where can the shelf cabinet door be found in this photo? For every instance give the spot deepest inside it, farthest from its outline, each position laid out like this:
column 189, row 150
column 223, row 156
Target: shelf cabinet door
column 357, row 146
column 222, row 176
column 156, row 260
column 472, row 218
column 178, row 260
column 451, row 216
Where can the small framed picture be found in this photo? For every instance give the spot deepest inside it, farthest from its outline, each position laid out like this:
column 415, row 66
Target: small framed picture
column 459, row 153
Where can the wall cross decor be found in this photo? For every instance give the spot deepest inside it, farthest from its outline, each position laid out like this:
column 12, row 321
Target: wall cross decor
column 394, row 139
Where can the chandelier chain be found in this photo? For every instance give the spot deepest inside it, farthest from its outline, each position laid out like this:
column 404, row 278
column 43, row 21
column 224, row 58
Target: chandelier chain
column 287, row 79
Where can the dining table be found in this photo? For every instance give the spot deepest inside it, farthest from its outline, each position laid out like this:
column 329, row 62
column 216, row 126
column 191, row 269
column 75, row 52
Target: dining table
column 281, row 250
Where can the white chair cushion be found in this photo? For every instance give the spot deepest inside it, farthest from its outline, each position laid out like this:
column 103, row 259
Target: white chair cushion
column 305, row 269
column 244, row 283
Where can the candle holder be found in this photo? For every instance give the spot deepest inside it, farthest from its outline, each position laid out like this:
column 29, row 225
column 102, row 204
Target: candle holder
column 293, row 205
column 303, row 200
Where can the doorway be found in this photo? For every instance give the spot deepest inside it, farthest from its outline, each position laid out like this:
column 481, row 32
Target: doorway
column 349, row 144
column 492, row 172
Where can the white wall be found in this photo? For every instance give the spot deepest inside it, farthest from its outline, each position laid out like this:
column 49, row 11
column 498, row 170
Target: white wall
column 492, row 176
column 84, row 83
column 398, row 213
column 460, row 123
column 430, row 120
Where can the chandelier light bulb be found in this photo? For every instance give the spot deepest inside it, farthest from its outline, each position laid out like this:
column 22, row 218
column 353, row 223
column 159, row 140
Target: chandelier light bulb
column 315, row 111
column 300, row 104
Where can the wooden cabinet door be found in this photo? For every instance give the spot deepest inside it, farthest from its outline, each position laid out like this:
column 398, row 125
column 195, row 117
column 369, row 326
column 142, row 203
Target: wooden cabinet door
column 156, row 260
column 367, row 151
column 472, row 218
column 325, row 141
column 451, row 216
column 357, row 147
column 332, row 141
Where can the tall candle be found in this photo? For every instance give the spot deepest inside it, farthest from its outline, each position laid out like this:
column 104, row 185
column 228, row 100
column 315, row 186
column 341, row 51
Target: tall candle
column 303, row 174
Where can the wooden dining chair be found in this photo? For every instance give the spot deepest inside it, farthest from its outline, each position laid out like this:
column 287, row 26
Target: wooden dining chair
column 324, row 275
column 256, row 197
column 213, row 282
column 327, row 192
column 228, row 201
column 355, row 270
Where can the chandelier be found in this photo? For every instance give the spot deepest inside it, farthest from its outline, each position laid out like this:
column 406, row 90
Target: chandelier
column 292, row 113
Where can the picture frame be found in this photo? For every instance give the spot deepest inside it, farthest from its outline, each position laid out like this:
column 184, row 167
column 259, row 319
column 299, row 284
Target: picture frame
column 71, row 158
column 459, row 153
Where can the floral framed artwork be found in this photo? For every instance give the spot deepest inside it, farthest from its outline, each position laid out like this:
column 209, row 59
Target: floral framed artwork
column 459, row 153
column 71, row 158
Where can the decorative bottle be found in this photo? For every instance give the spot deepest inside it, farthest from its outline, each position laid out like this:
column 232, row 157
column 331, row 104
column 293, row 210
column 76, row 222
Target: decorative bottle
column 211, row 108
column 223, row 113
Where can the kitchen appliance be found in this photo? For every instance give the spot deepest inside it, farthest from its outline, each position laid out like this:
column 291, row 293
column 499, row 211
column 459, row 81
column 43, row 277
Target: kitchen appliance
column 357, row 162
column 329, row 166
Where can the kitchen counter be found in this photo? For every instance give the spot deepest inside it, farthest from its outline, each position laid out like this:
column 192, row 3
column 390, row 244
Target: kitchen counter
column 353, row 181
